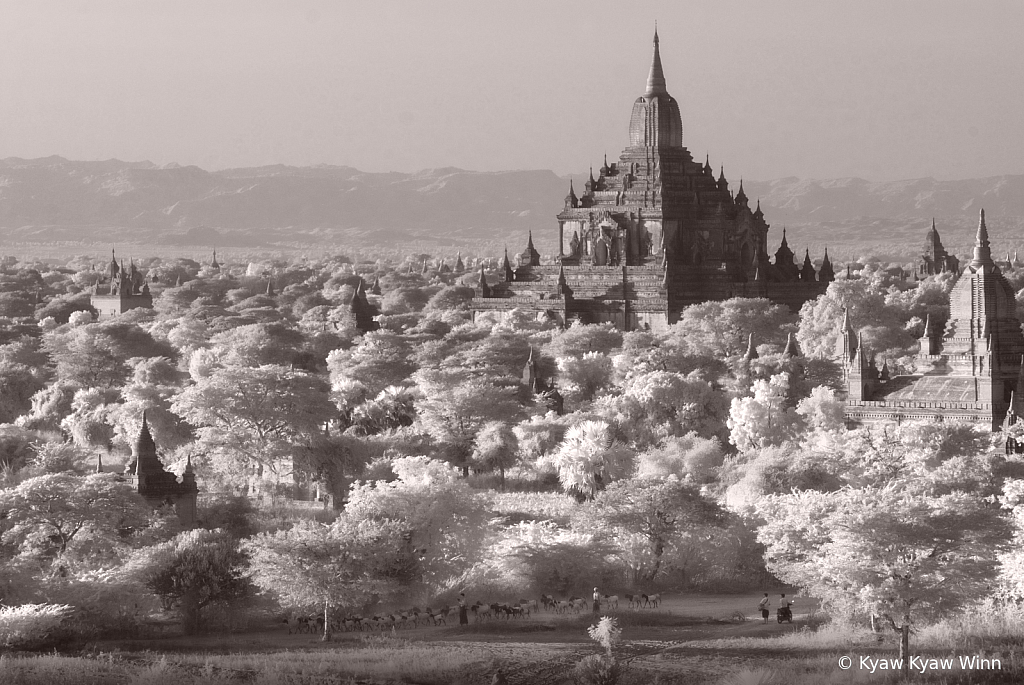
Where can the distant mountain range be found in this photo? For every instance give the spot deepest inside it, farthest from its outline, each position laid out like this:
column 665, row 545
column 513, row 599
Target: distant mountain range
column 56, row 201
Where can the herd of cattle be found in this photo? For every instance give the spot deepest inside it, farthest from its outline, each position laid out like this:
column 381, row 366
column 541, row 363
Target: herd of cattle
column 477, row 612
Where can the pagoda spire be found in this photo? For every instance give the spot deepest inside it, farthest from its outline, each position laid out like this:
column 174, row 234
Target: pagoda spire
column 510, row 275
column 982, row 249
column 656, row 79
column 485, row 290
column 792, row 350
column 751, row 352
column 562, row 287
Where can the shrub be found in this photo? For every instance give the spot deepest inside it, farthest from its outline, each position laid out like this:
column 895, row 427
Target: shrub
column 30, row 626
column 597, row 669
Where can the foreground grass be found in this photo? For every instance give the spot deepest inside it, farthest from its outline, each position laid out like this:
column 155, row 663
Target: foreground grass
column 396, row 662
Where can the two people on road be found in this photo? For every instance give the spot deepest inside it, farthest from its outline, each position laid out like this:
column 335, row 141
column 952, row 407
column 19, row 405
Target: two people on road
column 784, row 610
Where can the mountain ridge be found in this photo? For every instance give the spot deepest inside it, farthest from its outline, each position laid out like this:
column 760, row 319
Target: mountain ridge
column 55, row 199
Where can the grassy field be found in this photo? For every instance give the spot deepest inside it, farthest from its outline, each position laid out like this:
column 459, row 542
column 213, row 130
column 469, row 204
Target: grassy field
column 690, row 640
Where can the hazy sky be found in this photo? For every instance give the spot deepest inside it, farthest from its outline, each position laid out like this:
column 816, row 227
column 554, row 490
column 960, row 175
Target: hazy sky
column 882, row 90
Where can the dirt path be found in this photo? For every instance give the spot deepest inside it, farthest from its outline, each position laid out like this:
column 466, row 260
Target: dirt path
column 543, row 648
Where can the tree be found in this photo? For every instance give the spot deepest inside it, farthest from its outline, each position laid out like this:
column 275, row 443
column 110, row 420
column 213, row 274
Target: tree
column 454, row 409
column 583, row 377
column 821, row 410
column 496, row 448
column 193, row 570
column 687, row 456
column 393, row 408
column 255, row 417
column 258, row 344
column 579, row 339
column 899, row 551
column 95, row 355
column 348, row 564
column 19, row 383
column 882, row 325
column 588, row 458
column 764, row 419
column 380, row 359
column 439, row 516
column 50, row 512
column 721, row 329
column 539, row 436
column 450, row 297
column 663, row 404
column 658, row 512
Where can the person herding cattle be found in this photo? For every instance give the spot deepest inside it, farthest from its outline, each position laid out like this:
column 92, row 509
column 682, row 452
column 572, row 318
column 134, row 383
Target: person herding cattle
column 597, row 601
column 463, row 616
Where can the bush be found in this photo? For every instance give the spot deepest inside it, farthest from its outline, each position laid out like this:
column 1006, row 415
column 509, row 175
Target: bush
column 30, row 626
column 597, row 670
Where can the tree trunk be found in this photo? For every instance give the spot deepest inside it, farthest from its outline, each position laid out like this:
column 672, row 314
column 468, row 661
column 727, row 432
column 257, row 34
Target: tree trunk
column 190, row 612
column 905, row 646
column 327, row 624
column 465, row 471
column 501, row 477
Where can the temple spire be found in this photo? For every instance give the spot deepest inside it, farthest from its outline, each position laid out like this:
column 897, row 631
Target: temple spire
column 656, row 79
column 982, row 250
column 751, row 352
column 792, row 350
column 510, row 275
column 485, row 290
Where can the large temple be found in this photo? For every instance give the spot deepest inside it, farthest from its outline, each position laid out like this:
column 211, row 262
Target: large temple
column 653, row 233
column 968, row 371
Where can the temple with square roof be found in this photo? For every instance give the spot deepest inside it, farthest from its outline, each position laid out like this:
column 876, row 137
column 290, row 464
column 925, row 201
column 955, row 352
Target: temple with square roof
column 969, row 371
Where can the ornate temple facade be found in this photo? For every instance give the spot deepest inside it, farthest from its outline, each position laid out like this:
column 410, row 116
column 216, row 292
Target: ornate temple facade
column 122, row 290
column 145, row 472
column 968, row 371
column 653, row 233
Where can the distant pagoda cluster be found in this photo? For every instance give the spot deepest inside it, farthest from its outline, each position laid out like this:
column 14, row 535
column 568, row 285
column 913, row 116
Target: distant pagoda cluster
column 653, row 233
column 126, row 288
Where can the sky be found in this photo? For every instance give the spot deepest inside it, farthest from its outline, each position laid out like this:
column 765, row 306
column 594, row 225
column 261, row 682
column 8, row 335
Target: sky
column 882, row 90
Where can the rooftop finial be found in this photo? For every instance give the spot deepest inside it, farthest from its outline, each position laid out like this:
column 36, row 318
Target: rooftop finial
column 656, row 79
column 982, row 250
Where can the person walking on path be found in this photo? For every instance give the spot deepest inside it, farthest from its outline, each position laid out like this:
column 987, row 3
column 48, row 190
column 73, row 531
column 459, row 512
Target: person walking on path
column 764, row 606
column 463, row 618
column 597, row 601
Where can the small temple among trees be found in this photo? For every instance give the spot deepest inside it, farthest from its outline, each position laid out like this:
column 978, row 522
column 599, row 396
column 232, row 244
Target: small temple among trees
column 123, row 290
column 145, row 472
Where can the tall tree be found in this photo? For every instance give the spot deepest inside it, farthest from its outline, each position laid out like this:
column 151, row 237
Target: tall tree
column 454, row 409
column 588, row 459
column 658, row 512
column 496, row 448
column 899, row 551
column 348, row 564
column 195, row 569
column 46, row 514
column 254, row 417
